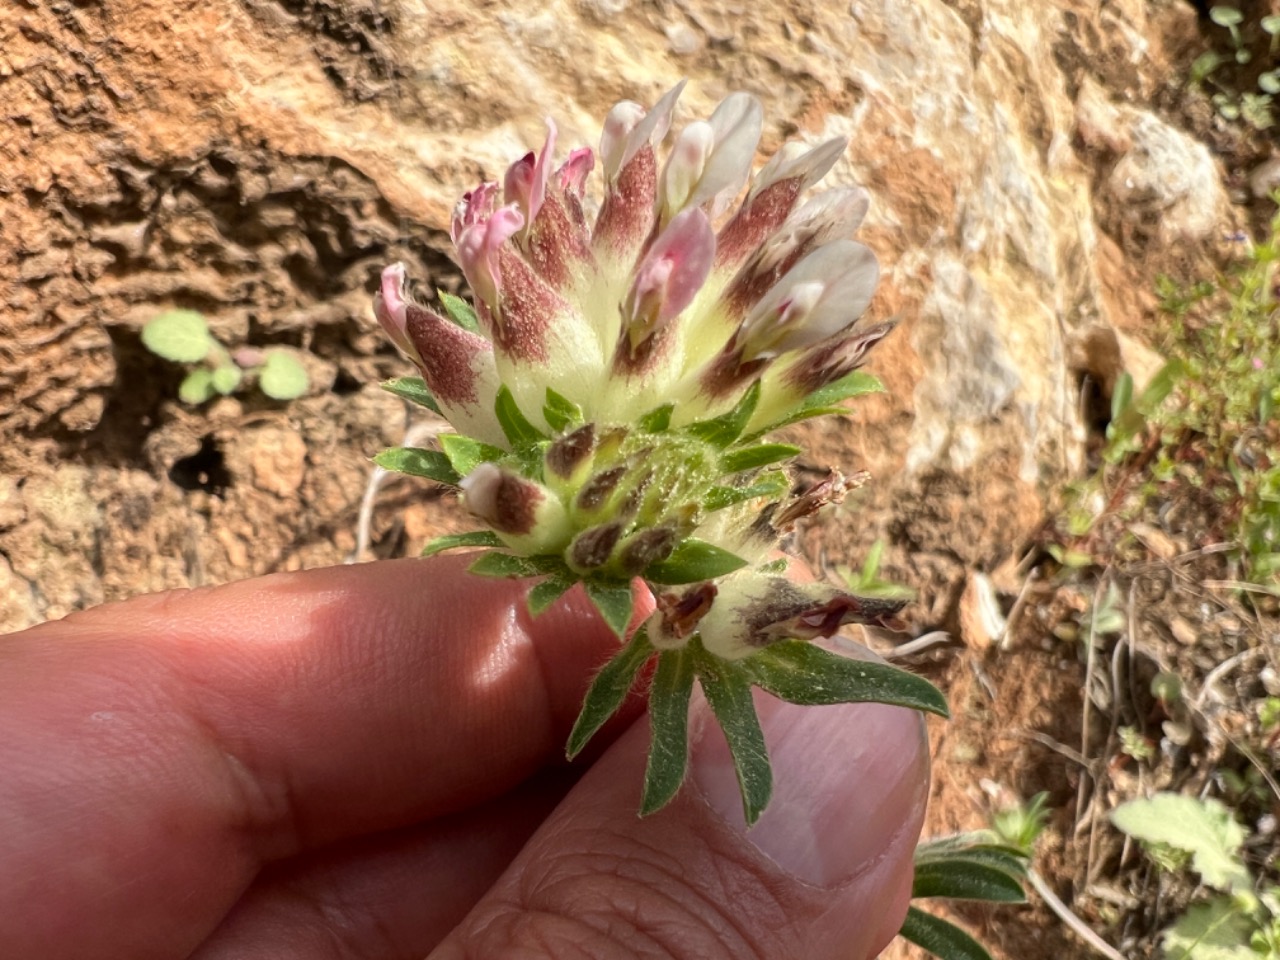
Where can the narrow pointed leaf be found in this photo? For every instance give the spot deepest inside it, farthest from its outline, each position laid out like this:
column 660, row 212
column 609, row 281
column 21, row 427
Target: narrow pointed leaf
column 548, row 592
column 658, row 419
column 728, row 690
column 692, row 561
column 669, row 721
column 561, row 413
column 940, row 938
column 466, row 454
column 972, row 847
column 760, row 455
column 495, row 564
column 614, row 601
column 608, row 690
column 772, row 485
column 520, row 433
column 721, row 431
column 413, row 389
column 475, row 538
column 966, row 880
column 459, row 311
column 417, row 462
column 826, row 400
column 800, row 672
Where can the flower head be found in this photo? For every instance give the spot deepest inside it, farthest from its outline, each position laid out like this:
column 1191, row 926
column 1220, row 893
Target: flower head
column 614, row 384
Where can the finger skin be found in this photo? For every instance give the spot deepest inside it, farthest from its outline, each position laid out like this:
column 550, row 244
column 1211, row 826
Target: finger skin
column 598, row 883
column 157, row 752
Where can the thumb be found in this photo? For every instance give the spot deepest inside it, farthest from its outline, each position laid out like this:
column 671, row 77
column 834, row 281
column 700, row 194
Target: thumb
column 825, row 873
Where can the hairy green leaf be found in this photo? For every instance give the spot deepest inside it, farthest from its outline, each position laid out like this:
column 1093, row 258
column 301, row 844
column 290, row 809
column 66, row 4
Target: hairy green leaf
column 772, row 485
column 1205, row 829
column 959, row 879
column 413, row 389
column 548, row 592
column 692, row 561
column 608, row 690
column 520, row 433
column 459, row 311
column 826, row 400
column 801, row 672
column 496, row 564
column 940, row 938
column 721, row 431
column 178, row 335
column 417, row 462
column 465, row 454
column 975, row 847
column 728, row 690
column 561, row 413
column 669, row 721
column 1215, row 930
column 760, row 455
column 614, row 601
column 475, row 538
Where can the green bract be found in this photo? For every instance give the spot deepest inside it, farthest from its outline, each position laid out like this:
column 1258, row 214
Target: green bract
column 613, row 390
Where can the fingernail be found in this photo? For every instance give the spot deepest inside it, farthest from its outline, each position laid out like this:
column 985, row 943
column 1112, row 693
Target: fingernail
column 846, row 779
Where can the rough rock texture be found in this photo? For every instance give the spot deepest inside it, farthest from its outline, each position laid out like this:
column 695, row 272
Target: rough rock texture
column 259, row 161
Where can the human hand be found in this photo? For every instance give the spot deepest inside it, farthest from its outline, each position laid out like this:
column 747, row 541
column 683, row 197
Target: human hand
column 367, row 762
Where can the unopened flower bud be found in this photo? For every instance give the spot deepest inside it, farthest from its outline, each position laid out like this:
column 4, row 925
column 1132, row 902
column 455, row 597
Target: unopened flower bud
column 569, row 458
column 525, row 514
column 592, row 548
column 678, row 615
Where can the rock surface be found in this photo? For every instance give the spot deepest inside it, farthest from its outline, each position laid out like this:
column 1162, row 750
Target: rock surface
column 260, row 161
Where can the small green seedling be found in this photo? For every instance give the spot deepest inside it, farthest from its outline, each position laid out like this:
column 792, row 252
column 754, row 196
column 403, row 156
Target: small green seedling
column 1242, row 920
column 1254, row 108
column 183, row 336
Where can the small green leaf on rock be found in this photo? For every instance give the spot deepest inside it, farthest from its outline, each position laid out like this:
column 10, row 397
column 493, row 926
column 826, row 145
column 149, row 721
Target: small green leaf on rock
column 413, row 389
column 608, row 690
column 728, row 690
column 940, row 938
column 614, row 601
column 692, row 561
column 417, row 462
column 520, row 433
column 459, row 311
column 800, row 672
column 669, row 721
column 283, row 377
column 1204, row 828
column 226, row 378
column 178, row 335
column 196, row 386
column 475, row 538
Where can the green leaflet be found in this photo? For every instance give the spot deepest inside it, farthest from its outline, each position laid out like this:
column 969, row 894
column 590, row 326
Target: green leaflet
column 772, row 485
column 497, row 564
column 800, row 672
column 608, row 690
column 418, row 463
column 466, row 454
column 614, row 601
column 474, row 538
column 942, row 939
column 561, row 413
column 721, row 431
column 459, row 311
column 413, row 389
column 826, row 400
column 669, row 721
column 760, row 455
column 692, row 561
column 548, row 592
column 657, row 420
column 960, row 879
column 728, row 690
column 971, row 847
column 520, row 433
